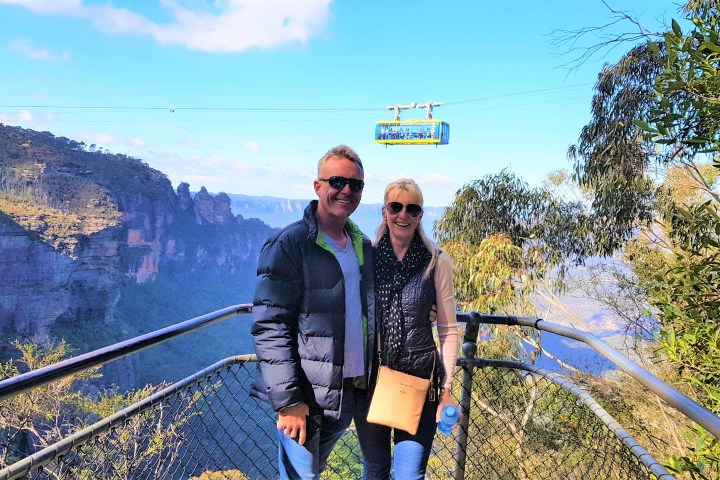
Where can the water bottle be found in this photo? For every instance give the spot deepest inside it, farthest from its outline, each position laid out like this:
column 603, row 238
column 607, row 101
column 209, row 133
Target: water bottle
column 448, row 418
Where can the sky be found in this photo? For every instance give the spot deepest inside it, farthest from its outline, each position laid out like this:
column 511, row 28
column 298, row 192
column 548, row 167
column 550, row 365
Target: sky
column 244, row 96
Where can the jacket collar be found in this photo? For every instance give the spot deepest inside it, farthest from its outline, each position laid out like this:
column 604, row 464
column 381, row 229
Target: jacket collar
column 356, row 235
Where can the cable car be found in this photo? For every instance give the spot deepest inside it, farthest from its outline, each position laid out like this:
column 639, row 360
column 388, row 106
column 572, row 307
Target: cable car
column 412, row 132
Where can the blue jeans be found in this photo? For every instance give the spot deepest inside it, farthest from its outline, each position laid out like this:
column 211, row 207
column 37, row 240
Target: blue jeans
column 411, row 452
column 307, row 461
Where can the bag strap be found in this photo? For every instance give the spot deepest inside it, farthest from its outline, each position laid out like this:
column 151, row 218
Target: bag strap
column 431, row 390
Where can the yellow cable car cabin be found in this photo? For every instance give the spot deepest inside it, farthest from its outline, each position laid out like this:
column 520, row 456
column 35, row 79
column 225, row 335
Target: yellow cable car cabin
column 412, row 132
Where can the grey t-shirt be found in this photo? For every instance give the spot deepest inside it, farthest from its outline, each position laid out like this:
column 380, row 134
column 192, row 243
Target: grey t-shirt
column 354, row 352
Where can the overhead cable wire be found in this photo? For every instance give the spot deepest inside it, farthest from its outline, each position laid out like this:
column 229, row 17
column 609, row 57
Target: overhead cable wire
column 569, row 88
column 545, row 91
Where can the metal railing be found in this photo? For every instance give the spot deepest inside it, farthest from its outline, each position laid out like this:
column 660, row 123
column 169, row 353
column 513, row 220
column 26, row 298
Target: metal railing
column 520, row 421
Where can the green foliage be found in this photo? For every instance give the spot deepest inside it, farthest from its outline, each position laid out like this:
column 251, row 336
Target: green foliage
column 686, row 294
column 702, row 460
column 660, row 106
column 47, row 414
column 488, row 271
column 687, row 120
column 612, row 156
column 505, row 238
column 44, row 414
column 686, row 114
column 549, row 232
column 345, row 461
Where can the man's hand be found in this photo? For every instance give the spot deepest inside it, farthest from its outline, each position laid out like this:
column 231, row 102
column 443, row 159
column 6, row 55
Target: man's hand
column 292, row 421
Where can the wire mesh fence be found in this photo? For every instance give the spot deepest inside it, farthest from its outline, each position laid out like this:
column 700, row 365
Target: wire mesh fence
column 520, row 422
column 536, row 425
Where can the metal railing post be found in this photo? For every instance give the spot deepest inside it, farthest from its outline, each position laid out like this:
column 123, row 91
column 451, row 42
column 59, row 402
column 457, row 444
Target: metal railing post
column 469, row 349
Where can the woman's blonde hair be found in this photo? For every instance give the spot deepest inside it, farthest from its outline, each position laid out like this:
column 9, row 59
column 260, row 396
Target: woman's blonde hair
column 409, row 185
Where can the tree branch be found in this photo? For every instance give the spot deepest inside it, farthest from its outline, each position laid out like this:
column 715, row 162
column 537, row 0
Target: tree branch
column 567, row 41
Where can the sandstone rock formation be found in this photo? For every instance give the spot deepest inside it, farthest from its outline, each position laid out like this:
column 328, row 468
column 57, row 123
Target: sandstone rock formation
column 75, row 224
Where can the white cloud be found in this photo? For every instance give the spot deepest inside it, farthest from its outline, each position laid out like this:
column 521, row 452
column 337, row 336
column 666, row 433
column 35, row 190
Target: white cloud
column 26, row 119
column 101, row 139
column 25, row 116
column 232, row 173
column 252, row 146
column 48, row 6
column 229, row 26
column 136, row 142
column 132, row 145
column 25, row 46
column 434, row 179
column 573, row 344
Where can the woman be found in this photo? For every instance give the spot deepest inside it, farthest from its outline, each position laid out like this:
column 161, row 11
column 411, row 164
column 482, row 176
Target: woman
column 411, row 275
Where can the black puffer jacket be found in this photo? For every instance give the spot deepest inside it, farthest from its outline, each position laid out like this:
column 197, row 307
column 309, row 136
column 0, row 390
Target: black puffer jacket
column 299, row 316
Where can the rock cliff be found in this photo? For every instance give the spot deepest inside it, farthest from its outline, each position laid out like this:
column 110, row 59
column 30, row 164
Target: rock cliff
column 79, row 226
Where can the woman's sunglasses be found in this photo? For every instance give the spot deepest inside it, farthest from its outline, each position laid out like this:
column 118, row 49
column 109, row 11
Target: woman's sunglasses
column 396, row 207
column 338, row 183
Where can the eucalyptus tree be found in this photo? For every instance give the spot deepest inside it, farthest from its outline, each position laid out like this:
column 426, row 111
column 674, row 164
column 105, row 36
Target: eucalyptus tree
column 507, row 239
column 649, row 155
column 515, row 235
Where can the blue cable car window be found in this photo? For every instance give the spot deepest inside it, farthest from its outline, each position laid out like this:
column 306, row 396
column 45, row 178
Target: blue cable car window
column 412, row 132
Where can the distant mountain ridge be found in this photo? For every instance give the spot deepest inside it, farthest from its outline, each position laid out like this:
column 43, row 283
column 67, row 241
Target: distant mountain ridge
column 278, row 212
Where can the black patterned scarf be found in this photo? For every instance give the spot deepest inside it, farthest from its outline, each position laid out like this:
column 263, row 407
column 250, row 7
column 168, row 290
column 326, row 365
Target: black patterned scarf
column 391, row 276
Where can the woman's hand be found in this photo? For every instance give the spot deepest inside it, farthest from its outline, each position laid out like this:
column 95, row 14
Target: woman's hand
column 444, row 401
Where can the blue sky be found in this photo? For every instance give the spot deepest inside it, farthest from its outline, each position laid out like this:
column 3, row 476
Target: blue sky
column 244, row 96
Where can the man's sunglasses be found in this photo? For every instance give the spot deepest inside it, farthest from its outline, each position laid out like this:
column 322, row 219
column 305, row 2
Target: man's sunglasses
column 396, row 207
column 338, row 183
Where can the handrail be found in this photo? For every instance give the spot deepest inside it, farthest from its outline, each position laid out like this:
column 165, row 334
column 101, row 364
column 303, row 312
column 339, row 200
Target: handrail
column 41, row 457
column 694, row 411
column 673, row 397
column 27, row 381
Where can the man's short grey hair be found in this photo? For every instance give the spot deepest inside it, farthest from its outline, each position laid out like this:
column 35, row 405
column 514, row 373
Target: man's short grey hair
column 342, row 151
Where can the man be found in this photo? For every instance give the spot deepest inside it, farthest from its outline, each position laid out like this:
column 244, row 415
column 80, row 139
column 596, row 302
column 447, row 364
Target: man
column 313, row 318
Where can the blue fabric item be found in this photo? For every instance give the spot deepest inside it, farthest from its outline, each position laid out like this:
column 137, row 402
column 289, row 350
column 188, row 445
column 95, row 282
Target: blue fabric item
column 411, row 454
column 308, row 461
